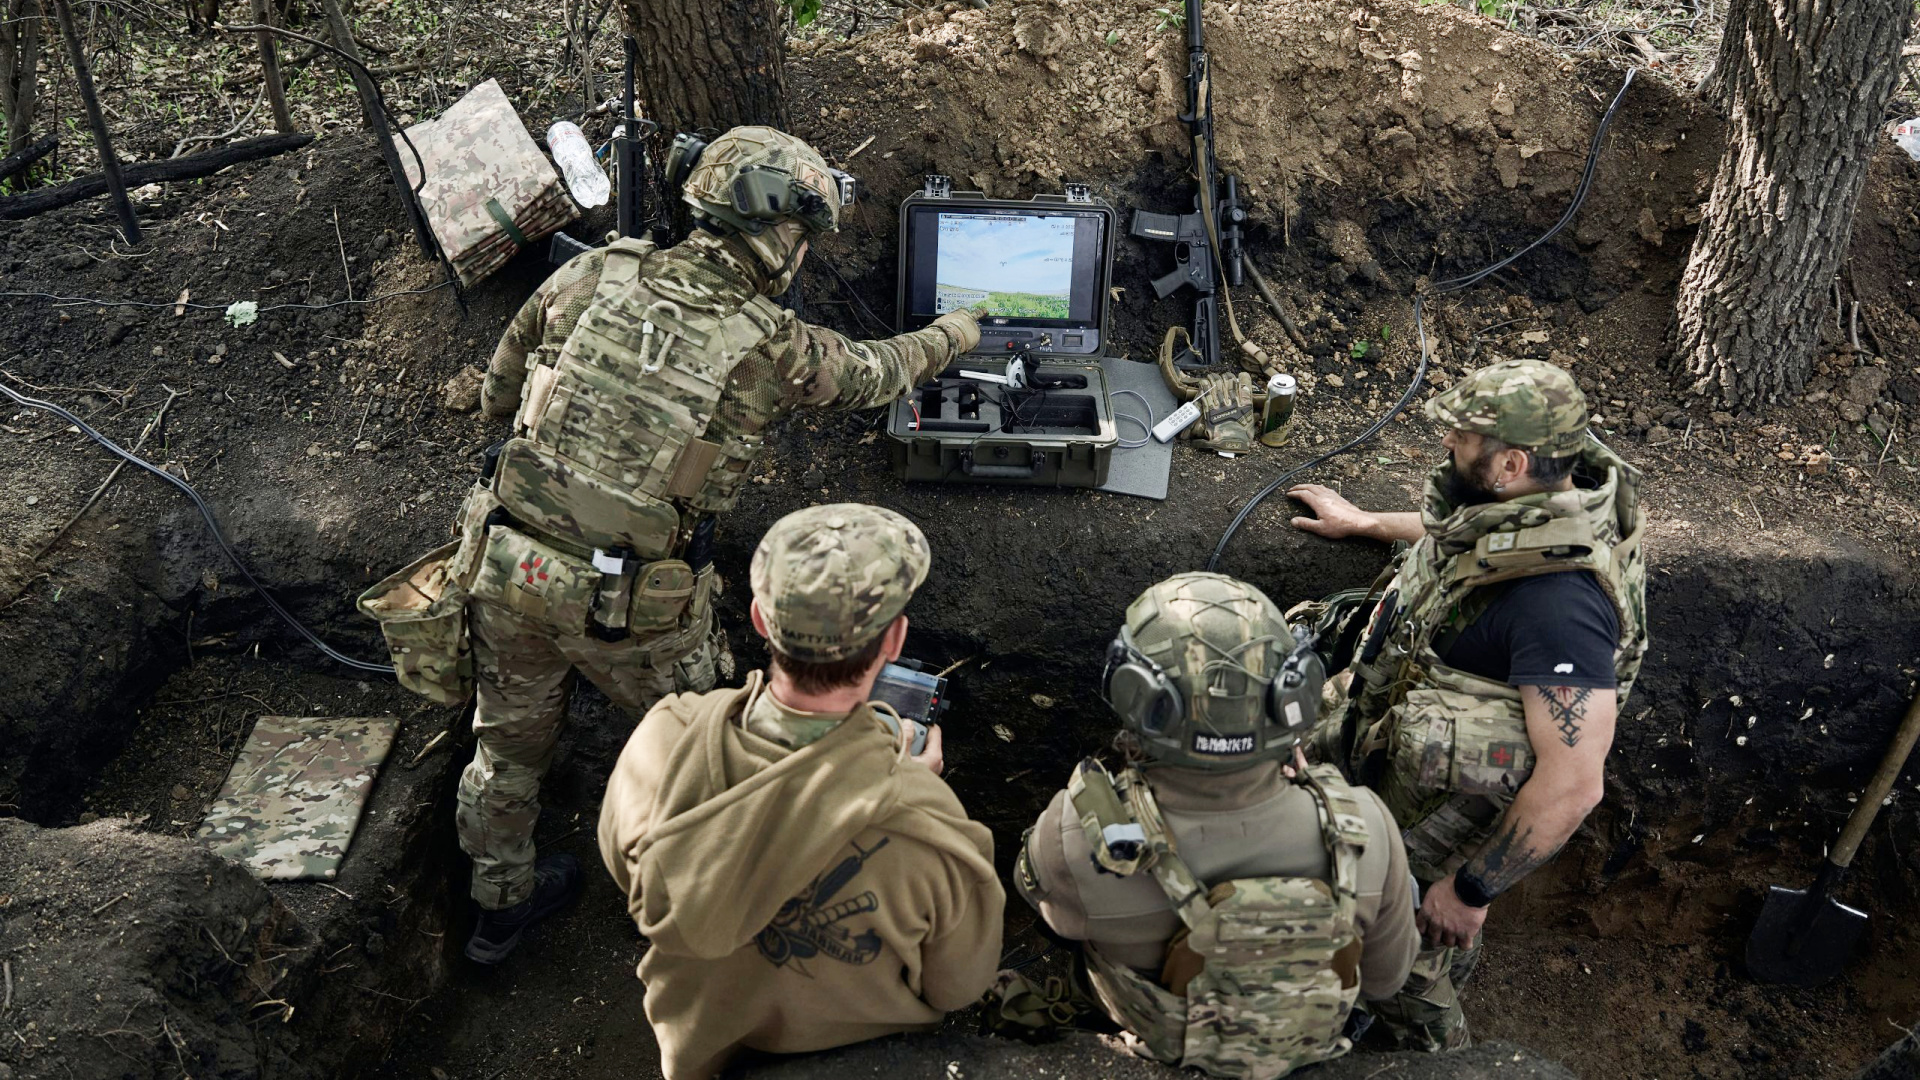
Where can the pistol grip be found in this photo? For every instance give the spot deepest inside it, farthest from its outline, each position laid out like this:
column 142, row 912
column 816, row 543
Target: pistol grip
column 1169, row 283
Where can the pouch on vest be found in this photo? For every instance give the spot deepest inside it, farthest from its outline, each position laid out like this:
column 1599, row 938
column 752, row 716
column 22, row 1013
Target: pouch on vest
column 422, row 612
column 541, row 582
column 662, row 593
column 1460, row 733
column 552, row 497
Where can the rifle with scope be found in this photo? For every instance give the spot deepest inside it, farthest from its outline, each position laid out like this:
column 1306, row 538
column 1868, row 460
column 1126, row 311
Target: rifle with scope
column 1207, row 242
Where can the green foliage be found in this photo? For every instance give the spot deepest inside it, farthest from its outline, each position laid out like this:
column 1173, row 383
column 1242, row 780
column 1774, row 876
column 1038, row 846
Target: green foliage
column 1170, row 18
column 1113, row 38
column 1366, row 346
column 804, row 11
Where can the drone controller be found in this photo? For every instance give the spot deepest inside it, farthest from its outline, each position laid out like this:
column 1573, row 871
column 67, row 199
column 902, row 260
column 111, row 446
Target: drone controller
column 918, row 696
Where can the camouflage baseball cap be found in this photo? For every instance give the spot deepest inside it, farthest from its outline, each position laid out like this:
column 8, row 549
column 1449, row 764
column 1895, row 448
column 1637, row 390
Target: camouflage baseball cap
column 831, row 578
column 1525, row 403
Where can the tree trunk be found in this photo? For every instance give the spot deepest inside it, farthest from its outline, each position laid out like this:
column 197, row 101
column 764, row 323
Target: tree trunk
column 19, row 74
column 709, row 65
column 1804, row 83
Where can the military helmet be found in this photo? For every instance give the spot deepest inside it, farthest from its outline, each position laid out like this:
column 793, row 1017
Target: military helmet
column 1206, row 674
column 755, row 177
column 1530, row 404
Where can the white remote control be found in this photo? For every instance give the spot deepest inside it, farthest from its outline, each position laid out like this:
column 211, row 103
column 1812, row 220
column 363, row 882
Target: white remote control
column 1176, row 421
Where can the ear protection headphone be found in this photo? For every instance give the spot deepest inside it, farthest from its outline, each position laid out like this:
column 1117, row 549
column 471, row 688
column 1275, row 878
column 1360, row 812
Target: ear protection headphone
column 761, row 192
column 1140, row 690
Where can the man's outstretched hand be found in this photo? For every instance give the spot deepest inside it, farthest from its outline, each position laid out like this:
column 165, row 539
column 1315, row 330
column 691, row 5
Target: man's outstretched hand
column 1335, row 516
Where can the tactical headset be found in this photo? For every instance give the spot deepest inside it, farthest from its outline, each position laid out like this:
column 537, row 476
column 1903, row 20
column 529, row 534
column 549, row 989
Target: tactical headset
column 1143, row 694
column 761, row 193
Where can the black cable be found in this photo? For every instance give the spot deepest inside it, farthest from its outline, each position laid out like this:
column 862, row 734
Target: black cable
column 1419, row 299
column 213, row 526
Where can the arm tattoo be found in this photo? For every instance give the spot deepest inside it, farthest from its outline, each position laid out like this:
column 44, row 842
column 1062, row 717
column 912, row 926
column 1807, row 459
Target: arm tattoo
column 1506, row 858
column 1568, row 707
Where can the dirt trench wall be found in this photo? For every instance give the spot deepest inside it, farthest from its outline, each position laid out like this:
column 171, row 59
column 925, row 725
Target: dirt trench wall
column 1337, row 118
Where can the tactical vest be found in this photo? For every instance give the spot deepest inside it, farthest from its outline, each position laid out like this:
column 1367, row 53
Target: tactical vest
column 613, row 463
column 610, row 446
column 1263, row 976
column 1455, row 745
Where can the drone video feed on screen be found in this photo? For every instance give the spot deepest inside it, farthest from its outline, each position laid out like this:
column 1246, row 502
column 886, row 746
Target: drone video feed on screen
column 1037, row 268
column 1019, row 266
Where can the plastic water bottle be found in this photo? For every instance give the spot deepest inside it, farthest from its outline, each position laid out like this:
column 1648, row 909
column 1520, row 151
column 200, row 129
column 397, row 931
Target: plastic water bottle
column 571, row 152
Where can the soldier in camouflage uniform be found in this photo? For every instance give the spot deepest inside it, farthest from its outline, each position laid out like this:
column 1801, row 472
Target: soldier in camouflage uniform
column 1232, row 908
column 640, row 382
column 1498, row 648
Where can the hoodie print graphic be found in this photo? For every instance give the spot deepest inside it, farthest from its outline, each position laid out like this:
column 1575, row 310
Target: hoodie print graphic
column 810, row 924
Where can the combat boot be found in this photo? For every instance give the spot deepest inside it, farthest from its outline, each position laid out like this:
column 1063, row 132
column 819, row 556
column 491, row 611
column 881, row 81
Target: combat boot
column 556, row 881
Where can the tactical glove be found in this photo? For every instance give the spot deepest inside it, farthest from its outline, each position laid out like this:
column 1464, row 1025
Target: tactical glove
column 964, row 326
column 1227, row 417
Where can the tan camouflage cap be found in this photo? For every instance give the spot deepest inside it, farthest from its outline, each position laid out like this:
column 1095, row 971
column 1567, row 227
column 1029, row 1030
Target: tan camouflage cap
column 831, row 578
column 1525, row 403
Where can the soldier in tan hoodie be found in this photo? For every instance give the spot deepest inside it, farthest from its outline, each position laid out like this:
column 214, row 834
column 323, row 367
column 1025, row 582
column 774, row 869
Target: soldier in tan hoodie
column 803, row 881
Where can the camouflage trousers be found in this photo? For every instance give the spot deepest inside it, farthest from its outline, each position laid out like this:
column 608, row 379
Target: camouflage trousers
column 1425, row 1014
column 524, row 672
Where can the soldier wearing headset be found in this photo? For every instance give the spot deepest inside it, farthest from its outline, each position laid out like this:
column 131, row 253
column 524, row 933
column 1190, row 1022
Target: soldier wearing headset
column 1231, row 908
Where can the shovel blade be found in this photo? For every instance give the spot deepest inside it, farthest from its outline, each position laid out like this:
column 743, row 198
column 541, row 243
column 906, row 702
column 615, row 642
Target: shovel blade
column 1801, row 940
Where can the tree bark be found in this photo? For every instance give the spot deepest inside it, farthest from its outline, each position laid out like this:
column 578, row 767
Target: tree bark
column 709, row 65
column 270, row 71
column 1804, row 83
column 376, row 116
column 191, row 167
column 19, row 69
column 102, row 138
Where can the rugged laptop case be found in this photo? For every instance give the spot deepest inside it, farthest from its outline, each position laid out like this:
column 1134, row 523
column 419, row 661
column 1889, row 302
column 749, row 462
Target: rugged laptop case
column 961, row 430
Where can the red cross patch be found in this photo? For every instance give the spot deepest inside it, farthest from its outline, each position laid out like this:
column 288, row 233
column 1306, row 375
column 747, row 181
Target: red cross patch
column 533, row 568
column 1500, row 754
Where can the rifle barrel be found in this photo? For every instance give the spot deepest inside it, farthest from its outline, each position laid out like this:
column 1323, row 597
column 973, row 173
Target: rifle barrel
column 1195, row 37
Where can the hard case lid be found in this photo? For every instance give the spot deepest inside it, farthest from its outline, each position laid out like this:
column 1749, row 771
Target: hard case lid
column 1044, row 264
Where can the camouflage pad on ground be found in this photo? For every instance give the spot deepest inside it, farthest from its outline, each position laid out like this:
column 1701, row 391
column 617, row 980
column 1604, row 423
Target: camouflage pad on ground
column 482, row 167
column 292, row 800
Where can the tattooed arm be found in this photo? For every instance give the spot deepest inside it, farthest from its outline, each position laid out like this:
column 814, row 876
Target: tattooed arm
column 1571, row 728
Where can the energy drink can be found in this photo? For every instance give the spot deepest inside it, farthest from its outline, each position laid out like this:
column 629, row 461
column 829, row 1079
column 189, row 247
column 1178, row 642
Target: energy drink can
column 1276, row 417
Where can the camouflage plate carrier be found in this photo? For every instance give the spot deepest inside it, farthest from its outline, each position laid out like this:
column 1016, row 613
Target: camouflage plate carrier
column 611, row 467
column 1262, row 979
column 1456, row 745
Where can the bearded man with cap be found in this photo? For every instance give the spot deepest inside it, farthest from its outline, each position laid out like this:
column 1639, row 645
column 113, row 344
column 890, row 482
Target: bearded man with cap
column 1231, row 908
column 640, row 382
column 1494, row 658
column 803, row 883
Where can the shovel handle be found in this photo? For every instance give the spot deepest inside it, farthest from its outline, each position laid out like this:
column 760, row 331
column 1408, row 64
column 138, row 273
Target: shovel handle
column 1877, row 789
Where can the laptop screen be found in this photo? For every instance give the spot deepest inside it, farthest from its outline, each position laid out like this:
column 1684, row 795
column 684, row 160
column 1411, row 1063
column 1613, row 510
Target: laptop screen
column 1033, row 268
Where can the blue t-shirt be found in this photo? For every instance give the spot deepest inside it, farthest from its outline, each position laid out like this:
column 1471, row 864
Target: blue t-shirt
column 1547, row 630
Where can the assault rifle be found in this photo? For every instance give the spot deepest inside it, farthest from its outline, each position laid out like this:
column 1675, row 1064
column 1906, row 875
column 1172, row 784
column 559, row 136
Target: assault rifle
column 1208, row 240
column 629, row 171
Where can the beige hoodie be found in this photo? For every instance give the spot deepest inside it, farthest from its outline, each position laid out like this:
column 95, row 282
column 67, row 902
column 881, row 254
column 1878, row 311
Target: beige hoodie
column 795, row 899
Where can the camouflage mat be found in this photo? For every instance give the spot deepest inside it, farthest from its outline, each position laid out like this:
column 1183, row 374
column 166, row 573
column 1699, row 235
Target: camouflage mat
column 483, row 166
column 293, row 799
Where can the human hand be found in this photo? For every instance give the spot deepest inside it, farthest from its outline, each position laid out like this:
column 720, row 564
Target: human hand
column 964, row 326
column 1444, row 920
column 1335, row 516
column 931, row 757
column 1298, row 766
